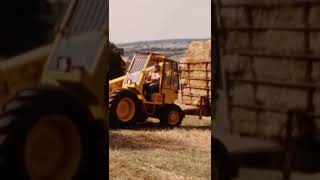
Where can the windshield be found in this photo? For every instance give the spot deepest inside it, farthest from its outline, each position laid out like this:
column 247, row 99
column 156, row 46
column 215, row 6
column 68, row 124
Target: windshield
column 138, row 62
column 82, row 36
column 135, row 71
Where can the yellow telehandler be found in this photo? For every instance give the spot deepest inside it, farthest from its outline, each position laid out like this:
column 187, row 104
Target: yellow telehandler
column 128, row 103
column 57, row 130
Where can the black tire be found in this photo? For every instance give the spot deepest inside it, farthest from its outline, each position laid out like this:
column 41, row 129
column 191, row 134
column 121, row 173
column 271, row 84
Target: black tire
column 165, row 115
column 141, row 116
column 114, row 100
column 27, row 110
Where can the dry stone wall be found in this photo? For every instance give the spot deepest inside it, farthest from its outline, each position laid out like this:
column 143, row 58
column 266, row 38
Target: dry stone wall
column 273, row 41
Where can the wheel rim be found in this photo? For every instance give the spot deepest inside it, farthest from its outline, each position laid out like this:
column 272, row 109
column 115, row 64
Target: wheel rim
column 125, row 109
column 52, row 149
column 173, row 117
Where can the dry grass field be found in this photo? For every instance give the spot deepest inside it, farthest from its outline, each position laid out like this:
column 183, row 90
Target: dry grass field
column 151, row 152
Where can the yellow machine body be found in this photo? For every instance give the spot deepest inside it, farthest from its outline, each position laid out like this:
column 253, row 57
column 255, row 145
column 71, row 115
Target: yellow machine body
column 85, row 73
column 141, row 65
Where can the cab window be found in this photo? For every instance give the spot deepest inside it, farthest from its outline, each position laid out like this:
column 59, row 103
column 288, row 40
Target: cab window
column 171, row 76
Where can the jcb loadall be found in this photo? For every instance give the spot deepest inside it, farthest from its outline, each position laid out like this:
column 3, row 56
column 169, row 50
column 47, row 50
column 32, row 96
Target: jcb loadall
column 127, row 102
column 58, row 130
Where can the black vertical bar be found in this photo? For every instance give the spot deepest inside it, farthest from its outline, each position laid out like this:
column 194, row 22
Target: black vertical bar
column 288, row 147
column 309, row 62
column 217, row 81
column 254, row 76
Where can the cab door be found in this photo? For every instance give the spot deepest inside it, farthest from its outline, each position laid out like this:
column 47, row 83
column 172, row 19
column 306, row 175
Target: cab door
column 170, row 82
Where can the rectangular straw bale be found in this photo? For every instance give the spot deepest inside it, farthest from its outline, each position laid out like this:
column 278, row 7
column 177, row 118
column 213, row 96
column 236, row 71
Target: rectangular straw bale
column 314, row 17
column 191, row 100
column 242, row 94
column 186, row 100
column 316, row 72
column 195, row 73
column 199, row 74
column 258, row 40
column 198, row 83
column 235, row 64
column 200, row 66
column 281, row 98
column 183, row 67
column 199, row 92
column 316, row 102
column 195, row 101
column 234, row 17
column 243, row 121
column 184, row 74
column 282, row 70
column 199, row 51
column 237, row 40
column 281, row 17
column 271, row 124
column 184, row 82
column 186, row 91
column 279, row 41
column 315, row 42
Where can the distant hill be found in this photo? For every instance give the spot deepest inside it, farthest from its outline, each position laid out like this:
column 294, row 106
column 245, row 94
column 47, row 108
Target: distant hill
column 160, row 41
column 172, row 48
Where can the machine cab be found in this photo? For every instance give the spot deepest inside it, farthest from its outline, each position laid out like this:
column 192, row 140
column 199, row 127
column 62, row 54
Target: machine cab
column 144, row 63
column 171, row 83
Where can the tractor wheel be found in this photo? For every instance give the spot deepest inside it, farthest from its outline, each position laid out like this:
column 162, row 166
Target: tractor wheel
column 171, row 115
column 124, row 108
column 46, row 134
column 142, row 116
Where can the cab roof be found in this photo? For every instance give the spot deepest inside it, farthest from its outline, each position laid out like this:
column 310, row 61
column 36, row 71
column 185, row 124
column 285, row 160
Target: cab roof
column 155, row 56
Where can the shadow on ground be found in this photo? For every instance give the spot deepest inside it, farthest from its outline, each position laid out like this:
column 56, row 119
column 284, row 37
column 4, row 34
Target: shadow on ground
column 142, row 142
column 152, row 126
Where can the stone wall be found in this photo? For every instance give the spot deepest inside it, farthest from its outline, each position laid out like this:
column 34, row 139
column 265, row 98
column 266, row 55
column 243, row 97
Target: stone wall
column 269, row 41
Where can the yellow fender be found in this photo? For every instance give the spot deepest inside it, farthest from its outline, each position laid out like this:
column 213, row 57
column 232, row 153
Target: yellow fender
column 115, row 84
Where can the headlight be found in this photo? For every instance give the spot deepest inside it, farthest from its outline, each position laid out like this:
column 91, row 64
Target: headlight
column 64, row 64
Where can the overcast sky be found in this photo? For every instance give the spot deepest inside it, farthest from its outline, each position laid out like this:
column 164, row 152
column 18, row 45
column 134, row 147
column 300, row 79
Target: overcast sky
column 139, row 20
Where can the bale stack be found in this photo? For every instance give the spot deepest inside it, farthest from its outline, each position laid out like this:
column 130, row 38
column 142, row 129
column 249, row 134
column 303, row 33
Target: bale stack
column 270, row 41
column 196, row 72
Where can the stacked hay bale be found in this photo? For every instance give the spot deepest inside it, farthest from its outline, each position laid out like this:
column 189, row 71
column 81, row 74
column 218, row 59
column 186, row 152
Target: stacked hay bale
column 196, row 72
column 261, row 43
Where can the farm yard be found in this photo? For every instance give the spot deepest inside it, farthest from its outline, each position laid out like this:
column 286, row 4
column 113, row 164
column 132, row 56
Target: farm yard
column 151, row 152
